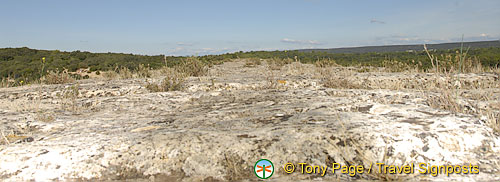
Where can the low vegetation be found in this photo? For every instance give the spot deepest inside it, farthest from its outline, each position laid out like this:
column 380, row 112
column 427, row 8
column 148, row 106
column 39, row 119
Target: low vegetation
column 24, row 64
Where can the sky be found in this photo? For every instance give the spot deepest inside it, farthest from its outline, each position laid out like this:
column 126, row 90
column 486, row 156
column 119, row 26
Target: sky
column 200, row 27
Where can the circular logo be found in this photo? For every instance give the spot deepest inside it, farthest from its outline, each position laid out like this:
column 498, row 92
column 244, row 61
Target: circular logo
column 263, row 169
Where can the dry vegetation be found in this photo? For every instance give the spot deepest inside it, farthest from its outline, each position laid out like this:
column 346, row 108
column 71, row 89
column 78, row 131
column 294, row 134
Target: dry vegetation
column 57, row 77
column 174, row 77
column 253, row 62
column 445, row 91
column 172, row 82
column 277, row 64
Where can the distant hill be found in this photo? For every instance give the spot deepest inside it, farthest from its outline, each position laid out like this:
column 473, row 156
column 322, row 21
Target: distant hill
column 407, row 48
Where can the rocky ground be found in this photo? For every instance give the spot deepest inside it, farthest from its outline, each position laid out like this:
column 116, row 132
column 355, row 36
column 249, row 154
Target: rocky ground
column 222, row 123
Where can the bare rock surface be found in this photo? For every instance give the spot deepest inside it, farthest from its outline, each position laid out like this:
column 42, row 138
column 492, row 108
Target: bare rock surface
column 221, row 124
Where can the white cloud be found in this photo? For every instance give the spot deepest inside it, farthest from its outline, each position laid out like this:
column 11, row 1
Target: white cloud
column 292, row 41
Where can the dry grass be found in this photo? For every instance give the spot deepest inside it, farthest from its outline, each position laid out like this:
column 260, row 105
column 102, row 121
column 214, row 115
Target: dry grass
column 109, row 75
column 446, row 100
column 450, row 100
column 449, row 91
column 493, row 120
column 69, row 98
column 57, row 77
column 175, row 77
column 7, row 82
column 277, row 63
column 252, row 62
column 443, row 90
column 397, row 66
column 124, row 73
column 143, row 71
column 173, row 81
column 236, row 167
column 45, row 117
column 192, row 67
column 340, row 83
column 271, row 79
column 331, row 78
column 324, row 63
column 495, row 69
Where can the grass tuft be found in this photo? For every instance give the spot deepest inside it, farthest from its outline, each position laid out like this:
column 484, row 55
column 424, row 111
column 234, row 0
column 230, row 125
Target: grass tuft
column 57, row 77
column 192, row 67
column 173, row 81
column 252, row 62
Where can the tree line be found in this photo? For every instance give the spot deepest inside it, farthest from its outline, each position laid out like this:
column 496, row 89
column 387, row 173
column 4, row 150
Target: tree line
column 25, row 63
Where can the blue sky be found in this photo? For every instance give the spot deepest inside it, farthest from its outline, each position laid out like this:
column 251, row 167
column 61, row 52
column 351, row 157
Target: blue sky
column 198, row 27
